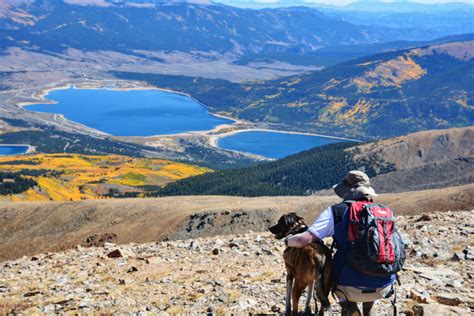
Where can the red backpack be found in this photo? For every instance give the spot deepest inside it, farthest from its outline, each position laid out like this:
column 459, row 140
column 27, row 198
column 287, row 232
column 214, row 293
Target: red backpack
column 374, row 246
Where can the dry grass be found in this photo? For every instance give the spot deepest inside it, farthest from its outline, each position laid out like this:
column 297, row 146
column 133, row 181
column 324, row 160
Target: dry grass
column 29, row 228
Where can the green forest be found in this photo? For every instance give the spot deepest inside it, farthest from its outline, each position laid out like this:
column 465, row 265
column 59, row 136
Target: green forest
column 15, row 182
column 299, row 174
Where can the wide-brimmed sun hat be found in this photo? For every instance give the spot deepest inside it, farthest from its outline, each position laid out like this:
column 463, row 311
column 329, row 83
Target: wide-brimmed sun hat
column 355, row 185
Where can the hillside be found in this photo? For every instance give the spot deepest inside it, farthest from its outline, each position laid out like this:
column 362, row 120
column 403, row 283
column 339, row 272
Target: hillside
column 405, row 91
column 239, row 273
column 64, row 177
column 27, row 228
column 398, row 164
column 56, row 26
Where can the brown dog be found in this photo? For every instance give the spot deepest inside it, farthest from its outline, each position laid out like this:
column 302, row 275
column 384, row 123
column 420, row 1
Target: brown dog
column 308, row 267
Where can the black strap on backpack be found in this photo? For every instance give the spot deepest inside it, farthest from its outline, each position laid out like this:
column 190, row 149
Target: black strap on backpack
column 338, row 211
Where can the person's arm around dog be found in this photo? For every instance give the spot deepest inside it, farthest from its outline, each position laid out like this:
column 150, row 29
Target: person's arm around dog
column 320, row 229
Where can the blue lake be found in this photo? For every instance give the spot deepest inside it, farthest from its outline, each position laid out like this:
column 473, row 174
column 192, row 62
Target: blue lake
column 12, row 150
column 272, row 144
column 131, row 113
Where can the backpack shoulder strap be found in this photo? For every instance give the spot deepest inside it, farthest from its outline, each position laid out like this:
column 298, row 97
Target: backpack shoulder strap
column 338, row 211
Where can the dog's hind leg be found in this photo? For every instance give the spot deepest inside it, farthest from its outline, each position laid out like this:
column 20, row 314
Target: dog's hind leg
column 325, row 304
column 315, row 300
column 289, row 289
column 309, row 293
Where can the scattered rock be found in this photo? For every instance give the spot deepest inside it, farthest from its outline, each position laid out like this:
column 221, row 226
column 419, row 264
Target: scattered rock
column 468, row 253
column 48, row 309
column 275, row 309
column 419, row 297
column 32, row 293
column 115, row 254
column 246, row 303
column 99, row 240
column 423, row 218
column 448, row 299
column 132, row 269
column 211, row 310
column 224, row 275
column 438, row 309
column 418, row 310
column 64, row 302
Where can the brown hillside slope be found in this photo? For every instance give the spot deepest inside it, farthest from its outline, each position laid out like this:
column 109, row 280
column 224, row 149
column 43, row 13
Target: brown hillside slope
column 423, row 160
column 419, row 149
column 29, row 228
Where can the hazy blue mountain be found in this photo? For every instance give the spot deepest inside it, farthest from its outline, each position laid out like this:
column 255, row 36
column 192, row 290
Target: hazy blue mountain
column 332, row 55
column 363, row 5
column 406, row 6
column 431, row 19
column 53, row 25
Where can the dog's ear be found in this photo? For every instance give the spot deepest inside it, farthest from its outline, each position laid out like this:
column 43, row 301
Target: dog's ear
column 291, row 219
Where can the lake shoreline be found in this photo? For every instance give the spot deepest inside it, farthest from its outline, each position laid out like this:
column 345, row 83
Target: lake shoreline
column 41, row 95
column 212, row 135
column 29, row 149
column 214, row 139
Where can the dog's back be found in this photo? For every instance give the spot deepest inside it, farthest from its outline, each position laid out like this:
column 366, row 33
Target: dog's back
column 305, row 264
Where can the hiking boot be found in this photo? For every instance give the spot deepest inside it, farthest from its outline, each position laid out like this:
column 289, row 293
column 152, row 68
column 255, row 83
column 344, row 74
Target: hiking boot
column 367, row 309
column 349, row 309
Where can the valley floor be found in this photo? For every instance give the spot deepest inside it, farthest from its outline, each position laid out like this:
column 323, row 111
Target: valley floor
column 238, row 273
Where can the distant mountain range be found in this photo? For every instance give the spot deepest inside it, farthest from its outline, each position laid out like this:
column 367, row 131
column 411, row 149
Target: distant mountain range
column 435, row 19
column 56, row 25
column 382, row 95
column 366, row 6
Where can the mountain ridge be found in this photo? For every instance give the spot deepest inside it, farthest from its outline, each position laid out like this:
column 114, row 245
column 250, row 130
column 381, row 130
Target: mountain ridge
column 54, row 25
column 428, row 87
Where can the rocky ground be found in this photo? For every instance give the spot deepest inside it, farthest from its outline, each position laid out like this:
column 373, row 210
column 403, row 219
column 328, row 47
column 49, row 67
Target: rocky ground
column 231, row 274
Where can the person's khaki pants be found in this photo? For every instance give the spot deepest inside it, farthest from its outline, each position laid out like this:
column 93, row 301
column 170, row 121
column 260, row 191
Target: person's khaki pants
column 353, row 294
